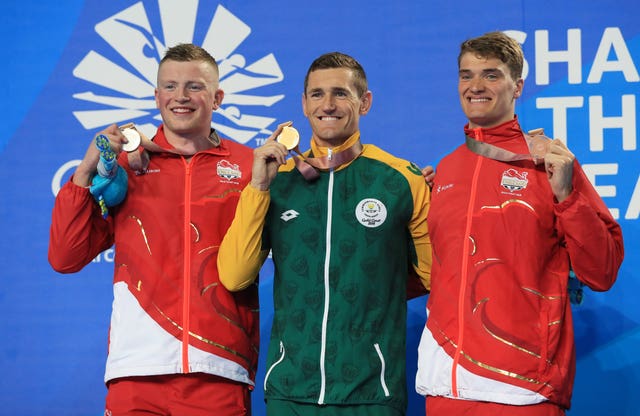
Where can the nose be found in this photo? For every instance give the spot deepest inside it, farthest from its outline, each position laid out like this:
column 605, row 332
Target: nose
column 476, row 84
column 328, row 103
column 183, row 94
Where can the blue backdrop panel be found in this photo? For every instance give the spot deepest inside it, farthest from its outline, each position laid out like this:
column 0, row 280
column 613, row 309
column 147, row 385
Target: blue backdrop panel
column 72, row 69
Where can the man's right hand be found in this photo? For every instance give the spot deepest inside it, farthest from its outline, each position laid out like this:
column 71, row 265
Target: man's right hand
column 267, row 159
column 87, row 169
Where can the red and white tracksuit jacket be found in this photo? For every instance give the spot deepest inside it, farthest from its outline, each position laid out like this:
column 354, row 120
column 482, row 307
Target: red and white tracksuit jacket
column 499, row 324
column 170, row 313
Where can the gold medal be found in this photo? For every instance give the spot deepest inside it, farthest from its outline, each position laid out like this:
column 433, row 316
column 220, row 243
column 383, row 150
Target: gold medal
column 289, row 137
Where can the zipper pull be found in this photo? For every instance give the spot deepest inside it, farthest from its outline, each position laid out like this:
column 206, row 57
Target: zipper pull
column 329, row 154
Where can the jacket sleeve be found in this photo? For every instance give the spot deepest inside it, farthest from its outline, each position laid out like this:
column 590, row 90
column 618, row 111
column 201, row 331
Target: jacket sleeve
column 592, row 237
column 241, row 255
column 78, row 232
column 420, row 236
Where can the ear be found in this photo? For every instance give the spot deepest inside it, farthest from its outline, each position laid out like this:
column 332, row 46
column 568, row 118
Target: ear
column 519, row 86
column 365, row 102
column 304, row 105
column 155, row 93
column 218, row 96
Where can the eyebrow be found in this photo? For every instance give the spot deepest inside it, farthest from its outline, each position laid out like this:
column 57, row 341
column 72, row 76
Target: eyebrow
column 332, row 90
column 189, row 81
column 484, row 71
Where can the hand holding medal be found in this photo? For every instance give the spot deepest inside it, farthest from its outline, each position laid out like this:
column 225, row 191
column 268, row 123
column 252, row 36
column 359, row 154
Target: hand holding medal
column 109, row 185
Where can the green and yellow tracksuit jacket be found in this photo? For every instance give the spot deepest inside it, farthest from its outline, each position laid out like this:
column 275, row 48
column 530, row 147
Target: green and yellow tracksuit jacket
column 343, row 247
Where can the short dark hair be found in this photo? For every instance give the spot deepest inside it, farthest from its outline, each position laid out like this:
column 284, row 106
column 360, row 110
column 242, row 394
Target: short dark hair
column 186, row 52
column 339, row 60
column 499, row 46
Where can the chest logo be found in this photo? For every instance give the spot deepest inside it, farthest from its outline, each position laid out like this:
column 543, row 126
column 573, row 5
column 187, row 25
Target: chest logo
column 371, row 213
column 228, row 170
column 289, row 215
column 513, row 180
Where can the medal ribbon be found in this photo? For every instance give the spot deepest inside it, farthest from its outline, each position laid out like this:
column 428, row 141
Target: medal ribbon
column 537, row 142
column 309, row 167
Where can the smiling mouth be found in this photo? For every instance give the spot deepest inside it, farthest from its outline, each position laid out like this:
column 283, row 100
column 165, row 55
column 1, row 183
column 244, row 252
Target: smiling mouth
column 478, row 100
column 181, row 110
column 329, row 118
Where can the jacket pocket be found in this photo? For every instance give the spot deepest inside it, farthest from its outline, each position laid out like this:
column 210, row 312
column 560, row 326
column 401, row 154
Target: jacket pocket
column 274, row 365
column 383, row 382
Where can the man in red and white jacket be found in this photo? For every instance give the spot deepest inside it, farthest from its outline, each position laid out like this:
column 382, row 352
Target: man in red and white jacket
column 510, row 215
column 179, row 342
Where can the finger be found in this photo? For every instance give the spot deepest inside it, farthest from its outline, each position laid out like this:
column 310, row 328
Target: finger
column 272, row 151
column 112, row 130
column 559, row 143
column 427, row 170
column 278, row 148
column 280, row 154
column 560, row 157
column 558, row 147
column 272, row 146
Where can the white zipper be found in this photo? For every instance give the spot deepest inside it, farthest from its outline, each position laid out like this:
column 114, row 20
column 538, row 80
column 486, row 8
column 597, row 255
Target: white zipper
column 325, row 316
column 383, row 383
column 266, row 377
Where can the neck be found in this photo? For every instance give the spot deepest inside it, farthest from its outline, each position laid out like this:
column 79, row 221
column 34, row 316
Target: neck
column 320, row 148
column 189, row 145
column 472, row 125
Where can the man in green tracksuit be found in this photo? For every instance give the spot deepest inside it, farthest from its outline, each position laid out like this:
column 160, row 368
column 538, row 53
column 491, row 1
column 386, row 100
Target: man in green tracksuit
column 346, row 224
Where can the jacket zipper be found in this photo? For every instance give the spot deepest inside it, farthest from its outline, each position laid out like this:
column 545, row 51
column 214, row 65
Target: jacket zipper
column 464, row 270
column 327, row 258
column 186, row 267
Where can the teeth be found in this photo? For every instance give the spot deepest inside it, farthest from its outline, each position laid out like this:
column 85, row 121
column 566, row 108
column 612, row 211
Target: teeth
column 478, row 100
column 181, row 110
column 329, row 118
